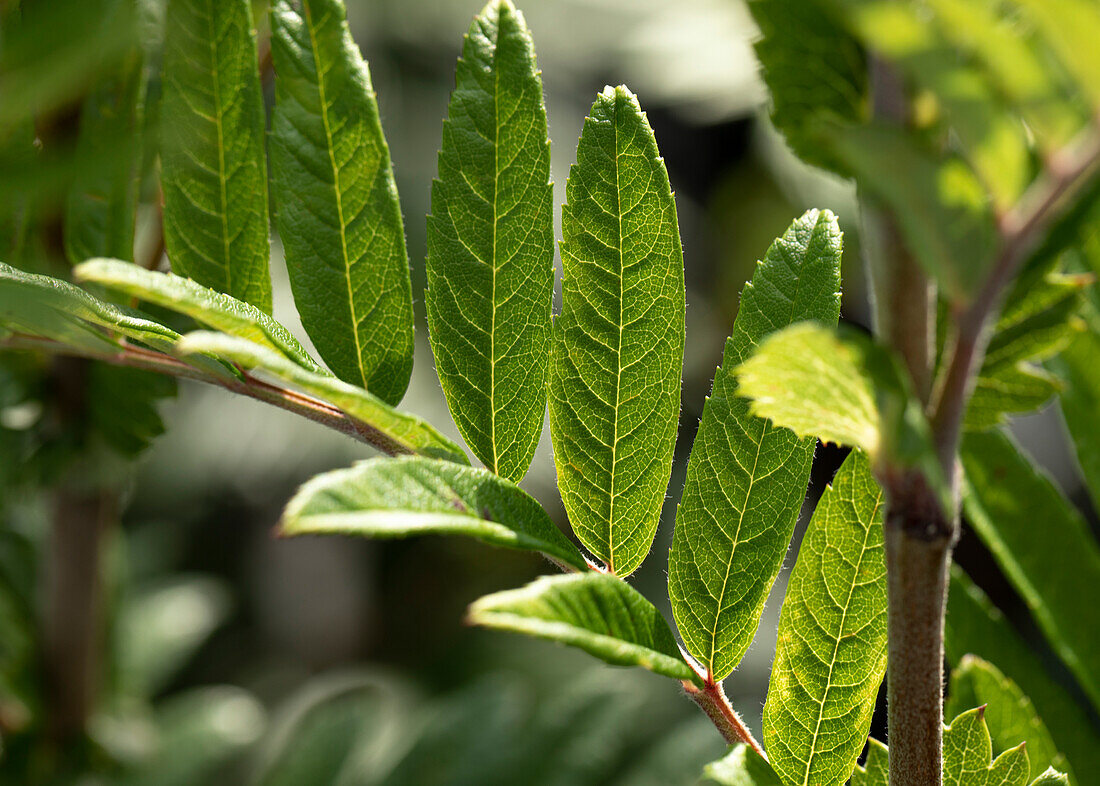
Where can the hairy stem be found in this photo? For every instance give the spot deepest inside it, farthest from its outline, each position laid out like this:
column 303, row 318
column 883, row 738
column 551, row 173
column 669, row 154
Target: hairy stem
column 712, row 700
column 247, row 385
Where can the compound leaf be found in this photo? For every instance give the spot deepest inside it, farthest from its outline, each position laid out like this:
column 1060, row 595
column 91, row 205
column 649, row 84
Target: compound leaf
column 207, row 306
column 746, row 478
column 1009, row 714
column 213, row 169
column 337, row 208
column 490, row 264
column 618, row 344
column 967, row 749
column 398, row 431
column 596, row 612
column 1041, row 543
column 398, row 498
column 831, row 651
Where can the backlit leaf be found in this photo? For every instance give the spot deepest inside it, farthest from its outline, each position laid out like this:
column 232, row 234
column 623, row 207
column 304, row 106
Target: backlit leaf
column 967, row 750
column 491, row 245
column 746, row 478
column 742, row 766
column 213, row 169
column 618, row 344
column 336, row 201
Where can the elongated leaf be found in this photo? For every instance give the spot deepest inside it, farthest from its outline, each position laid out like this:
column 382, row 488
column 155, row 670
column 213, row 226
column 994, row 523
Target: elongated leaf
column 973, row 625
column 399, row 431
column 122, row 405
column 212, row 162
column 1008, row 390
column 101, row 207
column 337, row 208
column 619, row 342
column 876, row 769
column 490, row 259
column 598, row 613
column 742, row 766
column 1041, row 543
column 746, row 479
column 207, row 306
column 1037, row 323
column 28, row 290
column 813, row 68
column 1009, row 714
column 967, row 749
column 830, row 656
column 398, row 498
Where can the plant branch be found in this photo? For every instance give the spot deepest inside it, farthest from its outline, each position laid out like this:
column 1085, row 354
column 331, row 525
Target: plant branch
column 246, row 385
column 712, row 700
column 1021, row 229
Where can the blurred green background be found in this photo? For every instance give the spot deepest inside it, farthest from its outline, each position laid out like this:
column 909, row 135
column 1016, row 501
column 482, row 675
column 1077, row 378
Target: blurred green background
column 240, row 658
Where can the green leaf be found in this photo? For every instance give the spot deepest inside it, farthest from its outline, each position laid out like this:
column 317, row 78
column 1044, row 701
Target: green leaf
column 1071, row 28
column 742, row 766
column 1010, row 715
column 839, row 386
column 490, row 263
column 399, row 498
column 967, row 750
column 831, row 651
column 1008, row 390
column 1051, row 778
column 122, row 405
column 101, row 207
column 22, row 292
column 337, row 208
column 212, row 160
column 599, row 613
column 207, row 306
column 876, row 770
column 746, row 479
column 973, row 625
column 401, row 432
column 618, row 344
column 1079, row 373
column 941, row 207
column 1053, row 566
column 1038, row 322
column 813, row 69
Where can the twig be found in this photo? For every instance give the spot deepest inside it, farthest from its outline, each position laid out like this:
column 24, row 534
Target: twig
column 247, row 385
column 712, row 700
column 1021, row 229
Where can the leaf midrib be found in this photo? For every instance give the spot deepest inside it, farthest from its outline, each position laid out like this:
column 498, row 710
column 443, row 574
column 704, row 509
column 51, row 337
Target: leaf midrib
column 836, row 643
column 619, row 346
column 493, row 266
column 329, row 149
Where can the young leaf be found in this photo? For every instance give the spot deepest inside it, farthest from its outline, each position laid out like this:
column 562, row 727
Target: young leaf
column 967, row 750
column 398, row 431
column 831, row 652
column 742, row 766
column 598, row 613
column 973, row 625
column 1054, row 566
column 1009, row 714
column 1052, row 778
column 746, row 479
column 398, row 498
column 101, row 207
column 212, row 160
column 618, row 344
column 490, row 263
column 876, row 769
column 337, row 208
column 207, row 306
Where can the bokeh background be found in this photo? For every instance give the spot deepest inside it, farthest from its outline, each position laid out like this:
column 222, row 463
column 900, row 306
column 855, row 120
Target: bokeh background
column 358, row 646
